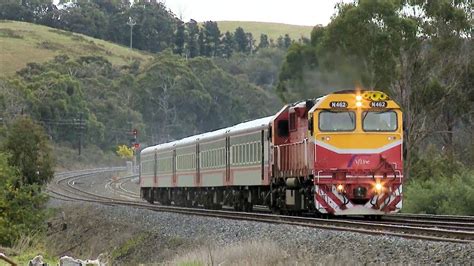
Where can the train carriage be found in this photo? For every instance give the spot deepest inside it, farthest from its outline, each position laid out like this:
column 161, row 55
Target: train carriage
column 340, row 154
column 226, row 166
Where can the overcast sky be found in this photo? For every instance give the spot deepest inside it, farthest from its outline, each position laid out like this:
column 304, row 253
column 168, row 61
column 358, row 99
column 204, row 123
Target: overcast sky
column 297, row 12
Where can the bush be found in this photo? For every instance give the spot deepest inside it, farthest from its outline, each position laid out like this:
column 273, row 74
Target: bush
column 21, row 206
column 441, row 194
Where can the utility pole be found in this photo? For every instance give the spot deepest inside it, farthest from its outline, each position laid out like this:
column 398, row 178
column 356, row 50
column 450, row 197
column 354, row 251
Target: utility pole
column 81, row 128
column 131, row 23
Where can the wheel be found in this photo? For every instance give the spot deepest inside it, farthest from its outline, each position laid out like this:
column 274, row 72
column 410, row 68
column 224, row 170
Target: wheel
column 248, row 207
column 188, row 203
column 237, row 207
column 149, row 197
column 275, row 210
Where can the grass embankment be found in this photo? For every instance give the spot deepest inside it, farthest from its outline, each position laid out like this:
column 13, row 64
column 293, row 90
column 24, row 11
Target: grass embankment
column 22, row 43
column 273, row 30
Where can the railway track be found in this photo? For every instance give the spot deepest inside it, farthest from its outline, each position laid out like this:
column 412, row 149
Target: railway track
column 118, row 186
column 426, row 227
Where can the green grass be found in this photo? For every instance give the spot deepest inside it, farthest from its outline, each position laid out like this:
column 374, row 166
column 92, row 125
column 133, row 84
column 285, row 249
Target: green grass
column 22, row 43
column 273, row 30
column 128, row 247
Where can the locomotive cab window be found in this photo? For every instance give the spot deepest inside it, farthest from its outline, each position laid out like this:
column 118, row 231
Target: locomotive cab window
column 379, row 121
column 336, row 121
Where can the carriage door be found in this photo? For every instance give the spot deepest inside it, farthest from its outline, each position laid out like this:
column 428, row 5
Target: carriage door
column 198, row 166
column 227, row 160
column 174, row 169
column 155, row 170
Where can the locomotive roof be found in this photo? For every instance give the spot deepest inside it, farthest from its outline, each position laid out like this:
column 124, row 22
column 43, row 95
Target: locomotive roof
column 244, row 127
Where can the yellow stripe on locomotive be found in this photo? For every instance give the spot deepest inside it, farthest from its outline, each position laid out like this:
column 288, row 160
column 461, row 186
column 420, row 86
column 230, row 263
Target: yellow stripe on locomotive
column 360, row 107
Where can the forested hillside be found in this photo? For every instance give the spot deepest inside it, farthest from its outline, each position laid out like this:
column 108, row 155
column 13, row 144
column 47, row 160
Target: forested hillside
column 181, row 78
column 169, row 99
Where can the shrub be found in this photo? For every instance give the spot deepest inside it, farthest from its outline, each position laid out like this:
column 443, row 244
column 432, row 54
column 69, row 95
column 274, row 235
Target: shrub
column 21, row 205
column 441, row 194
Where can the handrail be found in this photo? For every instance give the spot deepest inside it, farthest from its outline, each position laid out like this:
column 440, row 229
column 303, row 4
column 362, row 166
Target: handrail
column 290, row 144
column 8, row 260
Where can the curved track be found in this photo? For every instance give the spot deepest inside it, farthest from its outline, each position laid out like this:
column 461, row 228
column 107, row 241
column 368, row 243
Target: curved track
column 426, row 227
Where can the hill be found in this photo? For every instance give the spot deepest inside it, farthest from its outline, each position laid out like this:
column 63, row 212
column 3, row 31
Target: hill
column 273, row 30
column 22, row 43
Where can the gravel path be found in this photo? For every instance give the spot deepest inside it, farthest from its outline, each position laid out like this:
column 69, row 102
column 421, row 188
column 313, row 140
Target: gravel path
column 300, row 244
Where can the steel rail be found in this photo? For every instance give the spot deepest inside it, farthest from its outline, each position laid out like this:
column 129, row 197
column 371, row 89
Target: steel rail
column 418, row 231
column 117, row 186
column 433, row 217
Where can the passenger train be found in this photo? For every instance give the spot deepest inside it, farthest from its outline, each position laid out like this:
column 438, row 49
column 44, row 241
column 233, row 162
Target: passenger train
column 340, row 154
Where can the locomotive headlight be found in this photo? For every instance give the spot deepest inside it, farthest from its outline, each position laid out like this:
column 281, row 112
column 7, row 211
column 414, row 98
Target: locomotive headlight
column 358, row 104
column 358, row 98
column 340, row 188
column 378, row 187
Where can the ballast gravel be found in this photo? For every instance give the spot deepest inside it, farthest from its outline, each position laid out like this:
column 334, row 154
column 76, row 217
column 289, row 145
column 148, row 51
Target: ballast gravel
column 302, row 244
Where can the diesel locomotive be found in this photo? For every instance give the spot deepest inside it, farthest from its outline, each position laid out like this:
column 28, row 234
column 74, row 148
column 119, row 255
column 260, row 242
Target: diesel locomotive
column 340, row 154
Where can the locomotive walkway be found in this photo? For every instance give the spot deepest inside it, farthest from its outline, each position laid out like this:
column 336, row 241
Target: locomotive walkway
column 425, row 227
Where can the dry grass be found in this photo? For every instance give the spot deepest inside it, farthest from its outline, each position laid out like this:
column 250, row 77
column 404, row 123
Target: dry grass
column 247, row 253
column 22, row 43
column 261, row 252
column 273, row 30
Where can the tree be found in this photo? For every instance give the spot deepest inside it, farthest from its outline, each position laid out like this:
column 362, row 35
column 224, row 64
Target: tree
column 251, row 42
column 264, row 43
column 155, row 26
column 280, row 42
column 241, row 40
column 287, row 41
column 21, row 205
column 84, row 17
column 13, row 10
column 12, row 101
column 213, row 37
column 124, row 152
column 192, row 38
column 30, row 152
column 202, row 43
column 418, row 51
column 27, row 10
column 228, row 45
column 180, row 38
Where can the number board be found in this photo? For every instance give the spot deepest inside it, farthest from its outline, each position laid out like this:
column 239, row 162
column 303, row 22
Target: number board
column 339, row 104
column 378, row 104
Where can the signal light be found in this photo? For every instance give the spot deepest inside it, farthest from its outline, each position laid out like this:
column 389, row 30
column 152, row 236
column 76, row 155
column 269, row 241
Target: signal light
column 136, row 146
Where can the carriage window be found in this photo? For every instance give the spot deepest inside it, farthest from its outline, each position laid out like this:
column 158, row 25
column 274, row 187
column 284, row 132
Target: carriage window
column 379, row 121
column 336, row 121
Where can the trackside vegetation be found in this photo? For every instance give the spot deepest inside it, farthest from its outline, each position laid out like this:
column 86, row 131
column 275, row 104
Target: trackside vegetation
column 26, row 165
